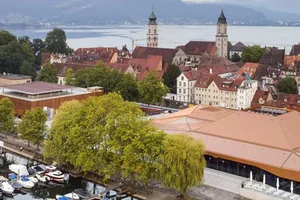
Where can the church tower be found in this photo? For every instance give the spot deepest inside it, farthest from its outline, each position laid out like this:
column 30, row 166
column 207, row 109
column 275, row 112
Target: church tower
column 222, row 37
column 152, row 36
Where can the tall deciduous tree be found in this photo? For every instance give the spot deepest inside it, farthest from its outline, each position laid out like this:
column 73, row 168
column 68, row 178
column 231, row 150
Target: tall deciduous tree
column 151, row 89
column 181, row 164
column 252, row 53
column 56, row 42
column 6, row 115
column 170, row 77
column 33, row 127
column 6, row 37
column 48, row 73
column 235, row 58
column 106, row 135
column 38, row 47
column 128, row 88
column 69, row 77
column 28, row 69
column 288, row 85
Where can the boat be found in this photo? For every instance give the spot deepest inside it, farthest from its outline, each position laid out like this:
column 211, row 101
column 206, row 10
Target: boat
column 6, row 188
column 37, row 168
column 20, row 170
column 69, row 196
column 82, row 193
column 32, row 179
column 40, row 176
column 25, row 182
column 55, row 175
column 17, row 186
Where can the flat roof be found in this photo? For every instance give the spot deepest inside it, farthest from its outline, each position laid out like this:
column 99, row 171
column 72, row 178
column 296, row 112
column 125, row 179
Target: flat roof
column 15, row 76
column 35, row 88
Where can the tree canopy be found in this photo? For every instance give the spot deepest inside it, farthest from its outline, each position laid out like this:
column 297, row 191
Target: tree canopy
column 106, row 135
column 38, row 47
column 48, row 73
column 288, row 85
column 56, row 42
column 181, row 163
column 33, row 127
column 28, row 69
column 128, row 88
column 6, row 115
column 69, row 77
column 6, row 37
column 235, row 58
column 151, row 89
column 252, row 53
column 170, row 77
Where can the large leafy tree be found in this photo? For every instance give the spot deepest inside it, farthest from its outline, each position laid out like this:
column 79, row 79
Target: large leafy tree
column 235, row 58
column 288, row 85
column 56, row 42
column 69, row 77
column 6, row 37
column 151, row 89
column 48, row 73
column 106, row 135
column 170, row 77
column 33, row 127
column 6, row 115
column 252, row 53
column 38, row 47
column 181, row 163
column 128, row 88
column 28, row 69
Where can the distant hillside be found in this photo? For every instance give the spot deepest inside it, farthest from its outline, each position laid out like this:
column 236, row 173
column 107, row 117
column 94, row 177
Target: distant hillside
column 94, row 12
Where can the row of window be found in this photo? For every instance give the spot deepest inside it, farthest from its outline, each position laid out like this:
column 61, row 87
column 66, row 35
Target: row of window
column 214, row 91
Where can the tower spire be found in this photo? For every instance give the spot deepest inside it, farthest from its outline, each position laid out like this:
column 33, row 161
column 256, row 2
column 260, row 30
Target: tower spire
column 152, row 36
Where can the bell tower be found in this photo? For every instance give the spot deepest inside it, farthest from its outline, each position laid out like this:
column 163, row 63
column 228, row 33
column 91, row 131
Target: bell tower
column 152, row 35
column 222, row 37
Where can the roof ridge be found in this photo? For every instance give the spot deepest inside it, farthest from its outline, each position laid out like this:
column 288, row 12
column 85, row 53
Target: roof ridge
column 277, row 119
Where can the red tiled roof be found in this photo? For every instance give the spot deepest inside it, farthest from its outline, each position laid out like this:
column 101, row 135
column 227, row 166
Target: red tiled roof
column 291, row 101
column 260, row 94
column 248, row 68
column 295, row 50
column 143, row 52
column 45, row 57
column 199, row 48
column 62, row 67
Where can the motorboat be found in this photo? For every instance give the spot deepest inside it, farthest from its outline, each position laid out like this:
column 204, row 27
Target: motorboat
column 6, row 188
column 25, row 182
column 69, row 196
column 20, row 170
column 55, row 175
column 82, row 193
column 17, row 186
column 40, row 176
column 37, row 168
column 32, row 179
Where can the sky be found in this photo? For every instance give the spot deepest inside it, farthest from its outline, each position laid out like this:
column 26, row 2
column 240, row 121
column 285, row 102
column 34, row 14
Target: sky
column 291, row 6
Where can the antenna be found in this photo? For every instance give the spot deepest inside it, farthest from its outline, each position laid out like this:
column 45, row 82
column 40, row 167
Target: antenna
column 153, row 8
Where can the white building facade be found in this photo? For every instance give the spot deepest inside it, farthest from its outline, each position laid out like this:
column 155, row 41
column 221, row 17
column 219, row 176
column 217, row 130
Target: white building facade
column 245, row 94
column 185, row 88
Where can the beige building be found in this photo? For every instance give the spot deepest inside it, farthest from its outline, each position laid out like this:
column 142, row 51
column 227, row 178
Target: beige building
column 12, row 79
column 215, row 91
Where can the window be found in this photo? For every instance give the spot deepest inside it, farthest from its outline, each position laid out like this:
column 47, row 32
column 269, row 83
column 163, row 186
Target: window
column 182, row 78
column 155, row 31
column 184, row 84
column 180, row 84
column 179, row 90
column 184, row 91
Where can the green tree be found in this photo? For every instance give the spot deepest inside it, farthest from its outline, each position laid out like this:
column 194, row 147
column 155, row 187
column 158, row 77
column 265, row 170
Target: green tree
column 28, row 69
column 151, row 89
column 48, row 73
column 69, row 77
column 38, row 46
column 6, row 115
column 106, row 135
column 235, row 58
column 288, row 85
column 24, row 39
column 33, row 127
column 181, row 163
column 128, row 88
column 6, row 37
column 170, row 77
column 252, row 53
column 56, row 42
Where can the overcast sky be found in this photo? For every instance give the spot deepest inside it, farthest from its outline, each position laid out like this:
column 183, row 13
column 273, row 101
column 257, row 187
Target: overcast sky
column 291, row 6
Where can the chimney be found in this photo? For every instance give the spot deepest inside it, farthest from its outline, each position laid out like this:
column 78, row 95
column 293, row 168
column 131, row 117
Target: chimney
column 210, row 71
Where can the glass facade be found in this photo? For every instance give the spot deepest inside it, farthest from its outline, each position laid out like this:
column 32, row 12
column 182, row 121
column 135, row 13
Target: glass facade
column 243, row 170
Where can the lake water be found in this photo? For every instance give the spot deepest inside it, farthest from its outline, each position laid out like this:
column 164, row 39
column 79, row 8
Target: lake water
column 42, row 193
column 170, row 35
